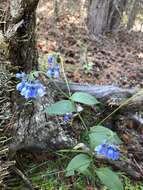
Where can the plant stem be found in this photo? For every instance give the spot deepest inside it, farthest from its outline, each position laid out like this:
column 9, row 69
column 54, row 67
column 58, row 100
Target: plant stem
column 65, row 77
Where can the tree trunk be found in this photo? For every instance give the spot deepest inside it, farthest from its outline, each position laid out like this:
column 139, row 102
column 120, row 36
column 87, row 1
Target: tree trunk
column 98, row 16
column 132, row 14
column 56, row 10
column 21, row 34
column 104, row 15
column 33, row 128
column 115, row 14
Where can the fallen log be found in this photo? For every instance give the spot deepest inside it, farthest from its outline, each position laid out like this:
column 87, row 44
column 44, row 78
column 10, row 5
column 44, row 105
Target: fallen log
column 109, row 94
column 102, row 92
column 37, row 130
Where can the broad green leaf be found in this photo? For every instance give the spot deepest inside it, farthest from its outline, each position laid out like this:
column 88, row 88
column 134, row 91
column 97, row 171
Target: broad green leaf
column 79, row 163
column 61, row 107
column 84, row 98
column 109, row 179
column 99, row 134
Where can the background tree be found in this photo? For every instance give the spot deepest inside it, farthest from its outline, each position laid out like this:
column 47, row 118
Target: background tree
column 104, row 15
column 132, row 13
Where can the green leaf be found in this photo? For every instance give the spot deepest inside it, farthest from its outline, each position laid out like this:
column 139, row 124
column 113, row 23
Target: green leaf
column 61, row 107
column 109, row 179
column 79, row 163
column 84, row 98
column 98, row 134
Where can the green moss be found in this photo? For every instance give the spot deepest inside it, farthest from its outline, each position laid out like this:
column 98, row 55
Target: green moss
column 130, row 185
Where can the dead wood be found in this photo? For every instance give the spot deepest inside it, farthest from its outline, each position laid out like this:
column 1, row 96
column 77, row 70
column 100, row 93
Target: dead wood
column 109, row 94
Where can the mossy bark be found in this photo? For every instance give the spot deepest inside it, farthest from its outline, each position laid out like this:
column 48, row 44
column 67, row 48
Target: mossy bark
column 34, row 130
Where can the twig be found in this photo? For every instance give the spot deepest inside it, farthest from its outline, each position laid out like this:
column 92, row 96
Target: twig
column 24, row 178
column 138, row 166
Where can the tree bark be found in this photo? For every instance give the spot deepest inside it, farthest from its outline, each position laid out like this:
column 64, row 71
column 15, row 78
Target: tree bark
column 21, row 34
column 104, row 15
column 132, row 14
column 115, row 14
column 97, row 16
column 33, row 128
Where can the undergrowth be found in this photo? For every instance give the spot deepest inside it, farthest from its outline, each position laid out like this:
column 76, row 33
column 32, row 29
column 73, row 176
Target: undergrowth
column 47, row 176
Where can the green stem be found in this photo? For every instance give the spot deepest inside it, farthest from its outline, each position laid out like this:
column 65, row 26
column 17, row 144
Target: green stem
column 65, row 77
column 53, row 81
column 80, row 117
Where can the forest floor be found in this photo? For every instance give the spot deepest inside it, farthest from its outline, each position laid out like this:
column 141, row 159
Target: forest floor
column 115, row 59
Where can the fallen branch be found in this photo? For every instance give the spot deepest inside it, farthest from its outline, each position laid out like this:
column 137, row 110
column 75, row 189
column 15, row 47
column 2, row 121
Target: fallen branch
column 108, row 94
column 24, row 178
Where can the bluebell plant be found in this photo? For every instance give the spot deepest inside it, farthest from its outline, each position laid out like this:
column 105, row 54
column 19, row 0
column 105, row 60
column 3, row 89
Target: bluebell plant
column 54, row 67
column 67, row 117
column 51, row 59
column 108, row 150
column 20, row 75
column 30, row 88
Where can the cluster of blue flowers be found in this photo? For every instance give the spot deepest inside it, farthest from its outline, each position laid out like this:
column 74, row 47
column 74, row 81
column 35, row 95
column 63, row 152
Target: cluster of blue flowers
column 67, row 117
column 54, row 68
column 109, row 151
column 32, row 89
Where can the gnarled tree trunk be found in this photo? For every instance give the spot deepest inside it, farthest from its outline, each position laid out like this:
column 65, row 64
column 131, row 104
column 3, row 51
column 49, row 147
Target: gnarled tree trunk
column 33, row 128
column 104, row 15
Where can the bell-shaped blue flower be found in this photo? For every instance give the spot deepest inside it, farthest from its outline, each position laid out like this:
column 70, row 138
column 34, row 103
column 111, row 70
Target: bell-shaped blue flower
column 32, row 92
column 51, row 59
column 20, row 85
column 56, row 74
column 50, row 72
column 109, row 151
column 41, row 90
column 20, row 75
column 30, row 89
column 23, row 91
column 101, row 149
column 112, row 153
column 67, row 117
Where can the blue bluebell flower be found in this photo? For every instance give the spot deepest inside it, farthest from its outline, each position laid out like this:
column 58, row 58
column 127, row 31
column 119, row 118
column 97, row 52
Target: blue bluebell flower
column 31, row 92
column 67, row 117
column 57, row 67
column 112, row 153
column 20, row 75
column 51, row 59
column 109, row 151
column 25, row 90
column 31, row 89
column 50, row 72
column 101, row 149
column 56, row 72
column 20, row 85
column 40, row 90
